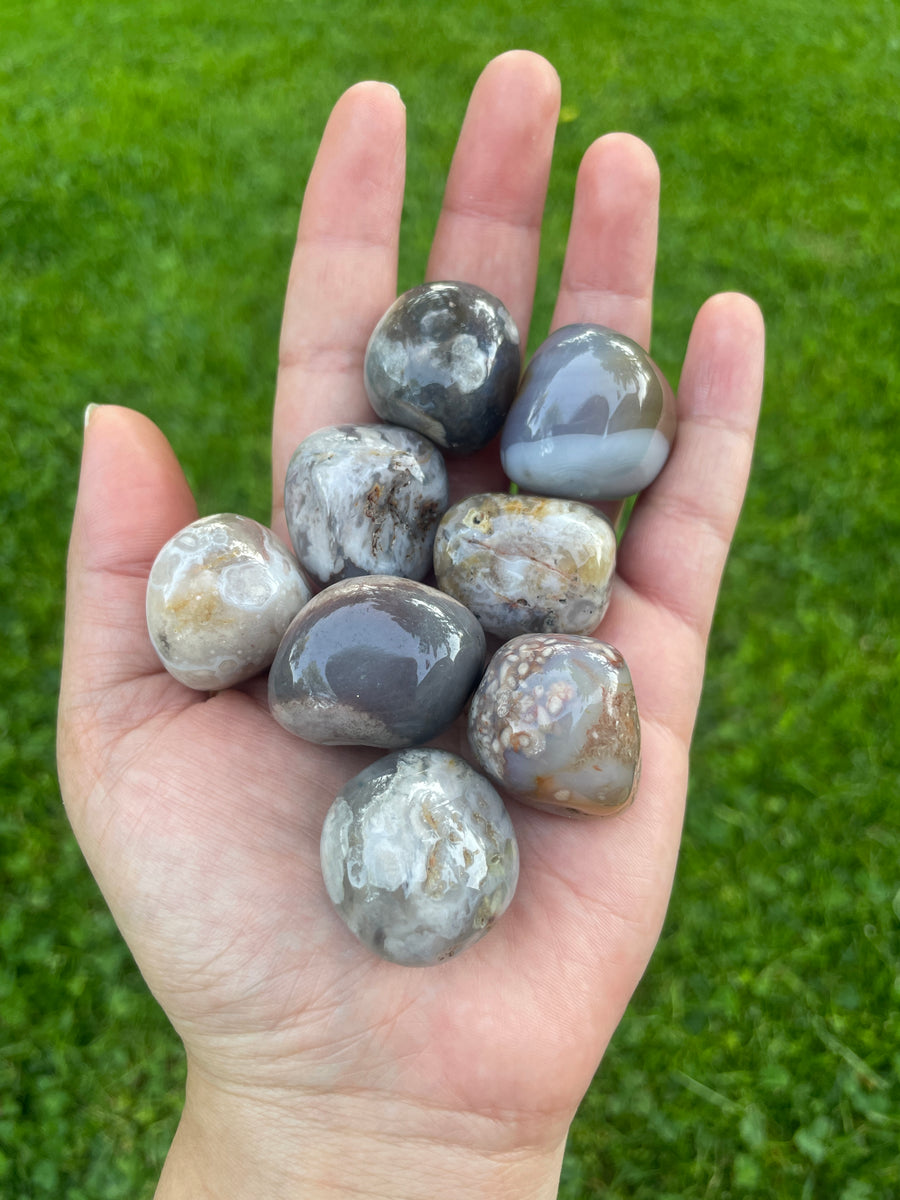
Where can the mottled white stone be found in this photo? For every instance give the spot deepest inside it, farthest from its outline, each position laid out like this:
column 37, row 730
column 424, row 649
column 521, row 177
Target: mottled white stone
column 527, row 564
column 365, row 500
column 419, row 856
column 220, row 595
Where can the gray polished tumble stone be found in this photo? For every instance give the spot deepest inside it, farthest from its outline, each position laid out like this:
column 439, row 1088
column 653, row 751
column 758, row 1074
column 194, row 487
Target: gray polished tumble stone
column 419, row 856
column 365, row 500
column 376, row 661
column 444, row 359
column 593, row 419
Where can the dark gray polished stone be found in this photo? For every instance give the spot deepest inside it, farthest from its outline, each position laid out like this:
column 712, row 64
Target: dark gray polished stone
column 365, row 500
column 376, row 661
column 444, row 360
column 593, row 419
column 419, row 856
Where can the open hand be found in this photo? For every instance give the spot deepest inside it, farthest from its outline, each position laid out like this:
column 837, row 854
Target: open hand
column 314, row 1068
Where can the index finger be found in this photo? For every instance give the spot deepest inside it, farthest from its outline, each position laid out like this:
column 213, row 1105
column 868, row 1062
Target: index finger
column 343, row 273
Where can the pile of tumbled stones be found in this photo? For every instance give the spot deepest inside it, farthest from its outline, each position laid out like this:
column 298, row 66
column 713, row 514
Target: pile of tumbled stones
column 418, row 852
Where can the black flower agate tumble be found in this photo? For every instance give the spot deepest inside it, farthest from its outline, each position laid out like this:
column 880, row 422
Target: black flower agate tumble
column 444, row 360
column 376, row 661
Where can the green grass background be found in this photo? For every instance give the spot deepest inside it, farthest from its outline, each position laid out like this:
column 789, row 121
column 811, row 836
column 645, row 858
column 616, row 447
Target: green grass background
column 152, row 159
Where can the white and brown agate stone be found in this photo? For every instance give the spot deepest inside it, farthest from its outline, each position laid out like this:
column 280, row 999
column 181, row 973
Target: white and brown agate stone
column 527, row 564
column 554, row 722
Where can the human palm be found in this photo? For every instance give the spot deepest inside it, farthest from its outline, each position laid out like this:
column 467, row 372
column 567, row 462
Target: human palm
column 200, row 816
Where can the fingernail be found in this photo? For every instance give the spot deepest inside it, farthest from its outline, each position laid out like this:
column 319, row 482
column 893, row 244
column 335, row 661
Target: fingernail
column 88, row 413
column 394, row 88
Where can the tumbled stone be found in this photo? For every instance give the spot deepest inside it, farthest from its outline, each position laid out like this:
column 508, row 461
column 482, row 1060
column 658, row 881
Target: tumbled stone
column 444, row 360
column 365, row 500
column 376, row 661
column 526, row 564
column 554, row 721
column 594, row 417
column 220, row 595
column 419, row 856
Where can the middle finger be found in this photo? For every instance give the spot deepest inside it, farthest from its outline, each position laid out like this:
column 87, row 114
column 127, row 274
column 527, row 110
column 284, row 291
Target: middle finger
column 488, row 232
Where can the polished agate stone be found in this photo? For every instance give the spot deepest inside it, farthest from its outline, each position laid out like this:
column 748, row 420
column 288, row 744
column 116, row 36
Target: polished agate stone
column 419, row 856
column 220, row 595
column 526, row 564
column 444, row 360
column 376, row 661
column 554, row 722
column 365, row 500
column 593, row 419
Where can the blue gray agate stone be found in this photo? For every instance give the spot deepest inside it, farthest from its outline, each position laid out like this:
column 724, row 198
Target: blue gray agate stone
column 419, row 856
column 444, row 360
column 594, row 418
column 376, row 661
column 365, row 500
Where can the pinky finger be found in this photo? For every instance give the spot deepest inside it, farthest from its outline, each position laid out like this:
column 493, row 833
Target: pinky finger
column 674, row 549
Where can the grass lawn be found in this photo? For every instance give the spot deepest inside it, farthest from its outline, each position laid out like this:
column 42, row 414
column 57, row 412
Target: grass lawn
column 152, row 160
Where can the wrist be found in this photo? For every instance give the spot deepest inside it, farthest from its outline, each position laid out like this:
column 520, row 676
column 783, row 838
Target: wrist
column 321, row 1147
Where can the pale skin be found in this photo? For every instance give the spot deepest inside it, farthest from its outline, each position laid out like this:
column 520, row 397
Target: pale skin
column 314, row 1068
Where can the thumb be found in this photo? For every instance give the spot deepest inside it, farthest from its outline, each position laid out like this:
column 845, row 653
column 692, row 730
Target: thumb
column 132, row 497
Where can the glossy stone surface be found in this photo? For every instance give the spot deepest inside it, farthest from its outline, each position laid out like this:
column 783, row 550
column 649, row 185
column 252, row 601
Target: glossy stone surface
column 526, row 564
column 419, row 856
column 445, row 360
column 365, row 500
column 220, row 595
column 376, row 661
column 594, row 418
column 555, row 722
